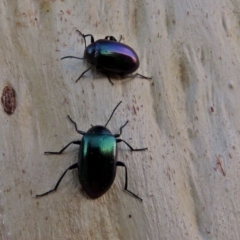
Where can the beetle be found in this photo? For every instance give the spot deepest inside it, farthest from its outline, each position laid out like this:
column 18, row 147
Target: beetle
column 110, row 57
column 97, row 159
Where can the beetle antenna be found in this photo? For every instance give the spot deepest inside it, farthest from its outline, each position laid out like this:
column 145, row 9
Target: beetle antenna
column 86, row 35
column 82, row 36
column 113, row 113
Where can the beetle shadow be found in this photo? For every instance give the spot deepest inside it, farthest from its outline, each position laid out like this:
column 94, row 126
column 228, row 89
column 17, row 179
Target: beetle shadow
column 76, row 184
column 116, row 77
column 101, row 75
column 75, row 180
column 112, row 77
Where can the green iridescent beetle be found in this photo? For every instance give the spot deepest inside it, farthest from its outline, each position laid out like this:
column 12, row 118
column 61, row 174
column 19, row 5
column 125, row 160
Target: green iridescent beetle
column 97, row 159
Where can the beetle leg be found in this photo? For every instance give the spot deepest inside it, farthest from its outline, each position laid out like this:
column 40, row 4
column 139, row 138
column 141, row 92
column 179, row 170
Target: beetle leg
column 135, row 75
column 75, row 124
column 86, row 35
column 132, row 149
column 109, row 79
column 84, row 73
column 61, row 151
column 111, row 38
column 118, row 135
column 121, row 164
column 75, row 165
column 105, row 72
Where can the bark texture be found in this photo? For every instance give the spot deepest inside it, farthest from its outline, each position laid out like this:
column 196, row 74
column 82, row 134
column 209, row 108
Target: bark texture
column 188, row 117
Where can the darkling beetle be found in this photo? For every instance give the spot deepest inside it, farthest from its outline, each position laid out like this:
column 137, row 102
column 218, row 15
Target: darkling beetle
column 110, row 57
column 97, row 159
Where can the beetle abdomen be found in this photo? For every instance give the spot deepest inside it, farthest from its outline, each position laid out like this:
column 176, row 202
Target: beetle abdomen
column 97, row 163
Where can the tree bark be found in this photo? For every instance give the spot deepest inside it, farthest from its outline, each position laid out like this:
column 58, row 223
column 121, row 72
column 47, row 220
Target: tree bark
column 187, row 116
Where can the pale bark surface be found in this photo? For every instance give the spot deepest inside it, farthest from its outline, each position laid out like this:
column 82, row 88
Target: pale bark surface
column 188, row 117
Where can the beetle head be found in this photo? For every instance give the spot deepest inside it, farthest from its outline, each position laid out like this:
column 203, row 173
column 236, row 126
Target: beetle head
column 89, row 53
column 99, row 130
